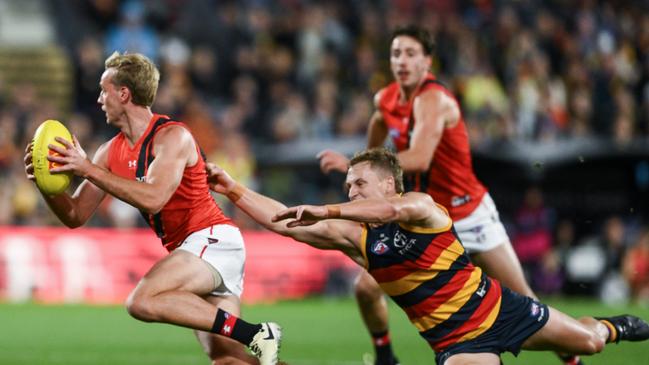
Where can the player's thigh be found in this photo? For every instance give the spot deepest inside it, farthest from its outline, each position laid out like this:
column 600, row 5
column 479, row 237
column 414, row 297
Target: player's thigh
column 473, row 359
column 564, row 334
column 221, row 348
column 180, row 270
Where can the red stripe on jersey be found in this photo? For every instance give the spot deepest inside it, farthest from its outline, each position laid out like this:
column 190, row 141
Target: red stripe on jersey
column 440, row 297
column 435, row 248
column 480, row 315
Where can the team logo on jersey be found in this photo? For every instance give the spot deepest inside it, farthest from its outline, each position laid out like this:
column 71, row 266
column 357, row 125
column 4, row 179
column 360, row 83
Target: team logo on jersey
column 380, row 248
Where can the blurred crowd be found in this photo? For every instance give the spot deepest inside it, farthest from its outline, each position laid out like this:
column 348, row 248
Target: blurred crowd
column 610, row 261
column 243, row 73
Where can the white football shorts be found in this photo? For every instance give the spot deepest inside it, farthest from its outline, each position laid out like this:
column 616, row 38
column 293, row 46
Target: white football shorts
column 222, row 247
column 482, row 230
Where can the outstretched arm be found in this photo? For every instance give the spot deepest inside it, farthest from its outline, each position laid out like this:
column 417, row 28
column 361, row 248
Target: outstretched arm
column 411, row 208
column 328, row 235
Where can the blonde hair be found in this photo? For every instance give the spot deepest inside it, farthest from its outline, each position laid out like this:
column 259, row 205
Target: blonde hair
column 138, row 73
column 382, row 159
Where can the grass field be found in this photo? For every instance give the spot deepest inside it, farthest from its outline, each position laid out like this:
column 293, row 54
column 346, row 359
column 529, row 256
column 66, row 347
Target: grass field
column 316, row 331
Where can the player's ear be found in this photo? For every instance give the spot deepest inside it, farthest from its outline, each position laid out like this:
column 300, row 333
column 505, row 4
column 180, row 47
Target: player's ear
column 390, row 185
column 124, row 94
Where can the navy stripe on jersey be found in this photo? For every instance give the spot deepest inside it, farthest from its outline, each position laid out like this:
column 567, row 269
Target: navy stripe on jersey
column 460, row 317
column 427, row 289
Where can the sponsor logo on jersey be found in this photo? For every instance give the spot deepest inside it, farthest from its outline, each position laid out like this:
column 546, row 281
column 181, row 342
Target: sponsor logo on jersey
column 403, row 243
column 482, row 290
column 537, row 311
column 534, row 309
column 132, row 164
column 456, row 201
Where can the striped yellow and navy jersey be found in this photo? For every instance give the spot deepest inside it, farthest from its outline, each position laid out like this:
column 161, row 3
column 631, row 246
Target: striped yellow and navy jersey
column 428, row 274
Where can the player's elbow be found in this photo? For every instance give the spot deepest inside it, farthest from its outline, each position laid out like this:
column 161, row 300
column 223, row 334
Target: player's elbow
column 73, row 224
column 152, row 208
column 154, row 204
column 72, row 221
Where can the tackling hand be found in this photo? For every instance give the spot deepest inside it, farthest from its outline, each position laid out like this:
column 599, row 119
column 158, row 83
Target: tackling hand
column 219, row 180
column 304, row 215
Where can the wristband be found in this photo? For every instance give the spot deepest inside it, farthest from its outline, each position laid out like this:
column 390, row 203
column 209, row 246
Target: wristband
column 333, row 211
column 236, row 193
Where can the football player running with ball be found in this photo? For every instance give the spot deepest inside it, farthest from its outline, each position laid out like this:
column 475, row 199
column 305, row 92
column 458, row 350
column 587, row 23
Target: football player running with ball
column 155, row 164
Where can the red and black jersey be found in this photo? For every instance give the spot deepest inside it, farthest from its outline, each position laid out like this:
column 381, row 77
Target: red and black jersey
column 450, row 179
column 428, row 274
column 191, row 207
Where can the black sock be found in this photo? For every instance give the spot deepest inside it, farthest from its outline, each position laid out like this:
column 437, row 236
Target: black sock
column 383, row 347
column 229, row 325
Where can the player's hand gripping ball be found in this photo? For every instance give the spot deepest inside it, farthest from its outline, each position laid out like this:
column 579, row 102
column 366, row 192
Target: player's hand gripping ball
column 51, row 184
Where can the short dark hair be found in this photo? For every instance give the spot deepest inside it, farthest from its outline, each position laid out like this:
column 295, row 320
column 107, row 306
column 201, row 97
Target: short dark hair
column 382, row 159
column 418, row 33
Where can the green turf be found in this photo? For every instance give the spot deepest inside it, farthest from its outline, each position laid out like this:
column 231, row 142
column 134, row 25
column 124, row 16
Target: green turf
column 317, row 331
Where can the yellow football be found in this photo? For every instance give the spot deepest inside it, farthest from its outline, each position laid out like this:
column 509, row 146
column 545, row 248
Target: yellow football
column 48, row 183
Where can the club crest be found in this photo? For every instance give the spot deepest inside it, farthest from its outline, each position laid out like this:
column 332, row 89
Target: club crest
column 380, row 248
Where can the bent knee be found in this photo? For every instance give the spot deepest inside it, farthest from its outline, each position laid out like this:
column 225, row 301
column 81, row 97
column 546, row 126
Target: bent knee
column 367, row 290
column 139, row 307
